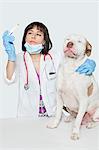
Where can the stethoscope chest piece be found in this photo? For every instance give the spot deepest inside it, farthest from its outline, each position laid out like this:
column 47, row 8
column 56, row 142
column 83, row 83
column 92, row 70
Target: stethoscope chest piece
column 26, row 86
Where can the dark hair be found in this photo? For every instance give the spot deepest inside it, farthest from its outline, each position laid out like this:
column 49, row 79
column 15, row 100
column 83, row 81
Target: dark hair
column 40, row 26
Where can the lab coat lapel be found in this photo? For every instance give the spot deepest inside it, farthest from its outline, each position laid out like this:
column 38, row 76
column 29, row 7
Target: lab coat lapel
column 31, row 69
column 42, row 65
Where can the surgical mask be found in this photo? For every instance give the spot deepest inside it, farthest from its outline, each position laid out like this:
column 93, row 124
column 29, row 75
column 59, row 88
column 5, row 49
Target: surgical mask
column 33, row 49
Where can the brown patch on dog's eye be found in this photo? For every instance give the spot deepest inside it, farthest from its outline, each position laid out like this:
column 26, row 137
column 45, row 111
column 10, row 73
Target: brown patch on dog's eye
column 88, row 49
column 90, row 90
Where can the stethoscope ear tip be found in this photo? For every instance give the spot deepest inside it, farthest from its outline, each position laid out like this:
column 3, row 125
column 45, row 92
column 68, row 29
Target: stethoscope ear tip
column 26, row 86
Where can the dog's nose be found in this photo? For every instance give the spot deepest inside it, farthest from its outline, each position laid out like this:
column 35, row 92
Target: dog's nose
column 70, row 44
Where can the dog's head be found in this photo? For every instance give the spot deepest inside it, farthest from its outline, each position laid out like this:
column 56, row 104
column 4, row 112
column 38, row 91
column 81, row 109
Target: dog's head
column 76, row 46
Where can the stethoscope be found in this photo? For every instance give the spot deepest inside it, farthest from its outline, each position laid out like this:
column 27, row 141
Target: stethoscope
column 26, row 85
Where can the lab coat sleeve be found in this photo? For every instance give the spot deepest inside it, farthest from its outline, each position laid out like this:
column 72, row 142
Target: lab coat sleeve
column 15, row 74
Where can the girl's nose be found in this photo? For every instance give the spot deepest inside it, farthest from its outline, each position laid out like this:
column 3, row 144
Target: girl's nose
column 70, row 44
column 33, row 36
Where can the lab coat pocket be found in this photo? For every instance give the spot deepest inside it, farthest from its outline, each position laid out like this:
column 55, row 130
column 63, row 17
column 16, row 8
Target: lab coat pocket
column 51, row 85
column 51, row 93
column 50, row 71
column 51, row 75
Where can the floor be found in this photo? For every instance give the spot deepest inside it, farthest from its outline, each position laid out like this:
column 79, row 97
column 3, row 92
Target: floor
column 27, row 134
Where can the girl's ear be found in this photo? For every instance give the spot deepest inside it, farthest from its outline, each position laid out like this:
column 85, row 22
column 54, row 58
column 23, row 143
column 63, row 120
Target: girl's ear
column 88, row 49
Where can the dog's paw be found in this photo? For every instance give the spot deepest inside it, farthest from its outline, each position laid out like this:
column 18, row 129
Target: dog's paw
column 52, row 124
column 69, row 118
column 75, row 136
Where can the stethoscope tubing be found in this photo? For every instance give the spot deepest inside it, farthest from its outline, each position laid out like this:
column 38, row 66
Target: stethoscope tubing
column 26, row 85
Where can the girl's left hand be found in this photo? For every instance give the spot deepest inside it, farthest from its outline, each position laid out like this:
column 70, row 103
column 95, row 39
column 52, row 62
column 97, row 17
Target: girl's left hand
column 87, row 67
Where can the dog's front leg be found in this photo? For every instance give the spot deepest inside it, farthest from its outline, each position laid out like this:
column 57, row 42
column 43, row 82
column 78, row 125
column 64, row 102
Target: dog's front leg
column 54, row 123
column 78, row 120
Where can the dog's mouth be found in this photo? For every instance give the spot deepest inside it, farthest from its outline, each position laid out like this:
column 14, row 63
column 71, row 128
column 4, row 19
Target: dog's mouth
column 70, row 52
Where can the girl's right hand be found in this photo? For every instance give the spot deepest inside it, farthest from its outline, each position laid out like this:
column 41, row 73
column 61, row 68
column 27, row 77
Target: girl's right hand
column 8, row 40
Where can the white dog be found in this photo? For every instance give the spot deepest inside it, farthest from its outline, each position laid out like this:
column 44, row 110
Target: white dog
column 78, row 92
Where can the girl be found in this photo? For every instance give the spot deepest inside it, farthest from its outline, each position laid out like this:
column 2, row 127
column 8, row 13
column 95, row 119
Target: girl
column 35, row 70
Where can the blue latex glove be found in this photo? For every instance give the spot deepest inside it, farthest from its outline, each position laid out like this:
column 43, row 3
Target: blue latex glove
column 9, row 46
column 87, row 67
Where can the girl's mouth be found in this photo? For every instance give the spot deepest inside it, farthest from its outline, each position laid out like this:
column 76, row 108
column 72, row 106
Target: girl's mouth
column 32, row 42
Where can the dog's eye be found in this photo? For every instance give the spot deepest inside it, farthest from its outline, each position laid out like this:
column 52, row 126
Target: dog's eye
column 79, row 41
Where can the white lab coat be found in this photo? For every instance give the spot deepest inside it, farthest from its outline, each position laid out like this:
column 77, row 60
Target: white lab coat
column 28, row 100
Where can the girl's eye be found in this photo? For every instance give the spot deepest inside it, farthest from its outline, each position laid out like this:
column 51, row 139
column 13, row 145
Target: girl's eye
column 29, row 32
column 38, row 34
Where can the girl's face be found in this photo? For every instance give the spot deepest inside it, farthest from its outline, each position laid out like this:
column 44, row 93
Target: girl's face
column 34, row 36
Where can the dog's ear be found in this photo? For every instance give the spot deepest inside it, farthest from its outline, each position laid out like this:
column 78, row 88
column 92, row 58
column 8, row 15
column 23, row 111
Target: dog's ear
column 88, row 49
